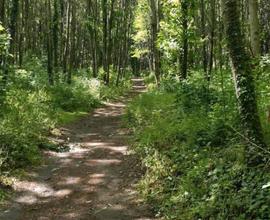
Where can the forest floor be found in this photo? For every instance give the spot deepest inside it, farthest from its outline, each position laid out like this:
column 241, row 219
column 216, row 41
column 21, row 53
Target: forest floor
column 95, row 180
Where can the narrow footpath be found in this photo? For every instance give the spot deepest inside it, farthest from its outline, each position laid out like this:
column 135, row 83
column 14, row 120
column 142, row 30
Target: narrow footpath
column 93, row 181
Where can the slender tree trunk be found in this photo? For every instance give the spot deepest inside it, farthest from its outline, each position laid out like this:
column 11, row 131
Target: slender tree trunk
column 220, row 38
column 105, row 39
column 109, row 41
column 203, row 29
column 56, row 33
column 95, row 38
column 72, row 43
column 2, row 11
column 67, row 41
column 243, row 78
column 2, row 22
column 212, row 38
column 13, row 25
column 184, row 67
column 49, row 44
column 154, row 5
column 254, row 28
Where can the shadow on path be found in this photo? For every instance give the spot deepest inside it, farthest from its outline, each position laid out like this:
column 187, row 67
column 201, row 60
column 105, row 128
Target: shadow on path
column 94, row 181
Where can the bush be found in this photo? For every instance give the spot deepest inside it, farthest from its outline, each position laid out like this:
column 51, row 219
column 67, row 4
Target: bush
column 30, row 108
column 112, row 91
column 83, row 95
column 195, row 164
column 26, row 117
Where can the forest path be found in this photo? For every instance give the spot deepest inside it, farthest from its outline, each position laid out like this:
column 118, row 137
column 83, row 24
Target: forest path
column 94, row 181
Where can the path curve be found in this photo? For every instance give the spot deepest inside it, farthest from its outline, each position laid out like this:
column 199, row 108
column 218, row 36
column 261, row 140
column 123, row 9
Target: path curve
column 94, row 181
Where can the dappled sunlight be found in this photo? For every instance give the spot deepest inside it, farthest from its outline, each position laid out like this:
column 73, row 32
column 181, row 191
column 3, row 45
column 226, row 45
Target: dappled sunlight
column 103, row 162
column 96, row 179
column 91, row 181
column 95, row 144
column 70, row 180
column 27, row 199
column 116, row 105
column 62, row 193
column 121, row 149
column 36, row 188
column 66, row 161
column 35, row 192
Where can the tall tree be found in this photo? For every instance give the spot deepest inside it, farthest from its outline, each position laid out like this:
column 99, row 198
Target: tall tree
column 203, row 33
column 56, row 32
column 184, row 11
column 49, row 43
column 13, row 25
column 105, row 38
column 243, row 78
column 155, row 13
column 212, row 38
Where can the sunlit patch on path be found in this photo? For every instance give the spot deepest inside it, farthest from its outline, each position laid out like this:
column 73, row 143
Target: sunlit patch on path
column 93, row 181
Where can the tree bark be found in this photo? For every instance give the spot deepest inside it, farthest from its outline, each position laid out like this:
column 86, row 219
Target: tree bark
column 105, row 39
column 212, row 38
column 2, row 11
column 244, row 82
column 49, row 44
column 13, row 25
column 56, row 33
column 203, row 30
column 154, row 5
column 184, row 68
column 254, row 28
column 67, row 40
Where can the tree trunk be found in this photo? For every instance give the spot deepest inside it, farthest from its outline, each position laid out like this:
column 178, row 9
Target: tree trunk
column 212, row 38
column 105, row 39
column 13, row 25
column 72, row 55
column 67, row 41
column 184, row 68
column 154, row 5
column 254, row 28
column 55, row 33
column 243, row 78
column 203, row 30
column 49, row 44
column 2, row 11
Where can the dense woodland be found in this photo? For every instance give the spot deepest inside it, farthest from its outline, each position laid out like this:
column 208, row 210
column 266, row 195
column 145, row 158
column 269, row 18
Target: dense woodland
column 201, row 129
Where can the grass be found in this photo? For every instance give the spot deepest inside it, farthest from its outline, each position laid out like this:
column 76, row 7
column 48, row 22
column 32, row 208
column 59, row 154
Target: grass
column 69, row 117
column 195, row 164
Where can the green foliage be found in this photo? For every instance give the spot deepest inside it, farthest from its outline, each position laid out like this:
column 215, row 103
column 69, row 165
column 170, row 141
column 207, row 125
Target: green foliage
column 141, row 34
column 69, row 117
column 81, row 96
column 3, row 41
column 32, row 108
column 150, row 79
column 263, row 95
column 27, row 116
column 195, row 162
column 112, row 91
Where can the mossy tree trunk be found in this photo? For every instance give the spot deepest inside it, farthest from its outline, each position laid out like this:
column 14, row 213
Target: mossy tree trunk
column 254, row 25
column 184, row 67
column 13, row 25
column 2, row 11
column 155, row 13
column 244, row 81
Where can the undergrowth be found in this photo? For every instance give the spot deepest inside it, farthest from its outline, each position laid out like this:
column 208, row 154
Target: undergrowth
column 186, row 135
column 32, row 108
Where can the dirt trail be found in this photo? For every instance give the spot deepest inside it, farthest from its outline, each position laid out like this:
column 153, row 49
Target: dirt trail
column 94, row 181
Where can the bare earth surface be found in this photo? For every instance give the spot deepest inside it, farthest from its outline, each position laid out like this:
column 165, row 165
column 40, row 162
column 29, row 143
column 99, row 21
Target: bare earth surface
column 93, row 181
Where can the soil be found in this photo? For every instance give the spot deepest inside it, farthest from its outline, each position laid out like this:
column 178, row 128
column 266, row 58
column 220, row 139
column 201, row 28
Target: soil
column 95, row 180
